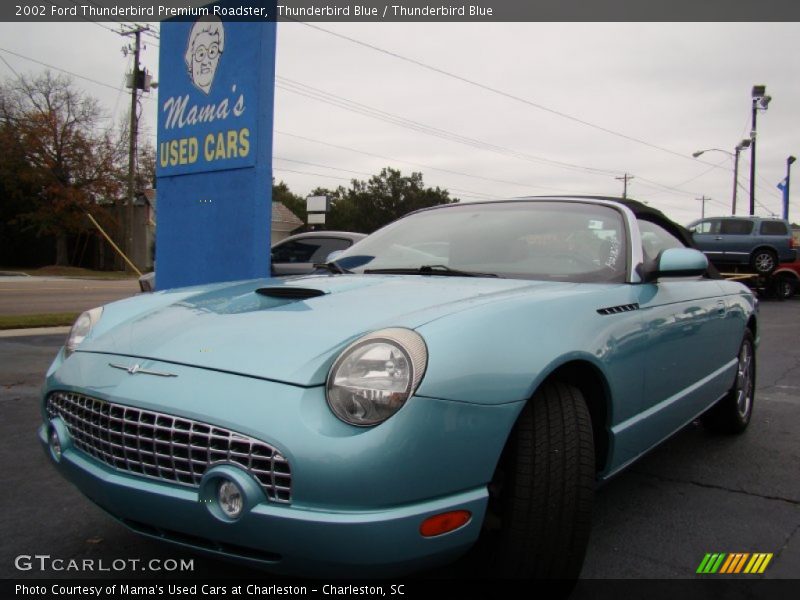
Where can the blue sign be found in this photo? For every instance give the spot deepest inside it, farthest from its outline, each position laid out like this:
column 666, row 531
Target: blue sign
column 214, row 151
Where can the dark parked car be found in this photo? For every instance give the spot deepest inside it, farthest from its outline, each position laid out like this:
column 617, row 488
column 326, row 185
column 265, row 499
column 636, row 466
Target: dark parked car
column 757, row 242
column 296, row 255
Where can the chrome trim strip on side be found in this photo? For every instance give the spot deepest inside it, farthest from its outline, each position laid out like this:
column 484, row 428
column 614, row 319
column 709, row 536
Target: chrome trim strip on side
column 666, row 403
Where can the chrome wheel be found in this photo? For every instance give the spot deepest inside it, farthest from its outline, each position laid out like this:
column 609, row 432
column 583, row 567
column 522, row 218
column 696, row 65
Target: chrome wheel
column 733, row 412
column 764, row 262
column 744, row 381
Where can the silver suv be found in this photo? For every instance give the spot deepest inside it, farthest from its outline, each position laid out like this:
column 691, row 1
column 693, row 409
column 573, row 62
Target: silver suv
column 760, row 243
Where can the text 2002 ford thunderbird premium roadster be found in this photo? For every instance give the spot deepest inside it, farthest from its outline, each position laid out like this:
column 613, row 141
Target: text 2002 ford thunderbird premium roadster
column 462, row 376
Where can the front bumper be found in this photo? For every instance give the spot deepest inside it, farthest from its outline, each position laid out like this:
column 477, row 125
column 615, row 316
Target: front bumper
column 359, row 496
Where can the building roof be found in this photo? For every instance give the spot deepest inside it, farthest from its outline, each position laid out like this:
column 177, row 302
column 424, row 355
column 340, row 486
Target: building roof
column 284, row 219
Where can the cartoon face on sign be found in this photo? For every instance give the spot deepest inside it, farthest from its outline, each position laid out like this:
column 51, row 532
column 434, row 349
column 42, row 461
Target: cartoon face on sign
column 205, row 45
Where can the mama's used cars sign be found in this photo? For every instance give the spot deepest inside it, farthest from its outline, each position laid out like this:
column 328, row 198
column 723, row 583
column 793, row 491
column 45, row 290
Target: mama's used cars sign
column 207, row 120
column 214, row 151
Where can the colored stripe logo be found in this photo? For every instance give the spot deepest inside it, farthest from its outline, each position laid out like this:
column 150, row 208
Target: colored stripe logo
column 734, row 563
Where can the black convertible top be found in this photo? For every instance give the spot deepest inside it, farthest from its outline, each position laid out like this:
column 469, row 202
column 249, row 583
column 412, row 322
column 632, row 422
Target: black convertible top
column 648, row 213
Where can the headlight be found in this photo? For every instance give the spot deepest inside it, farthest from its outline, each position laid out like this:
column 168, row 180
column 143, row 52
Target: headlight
column 375, row 375
column 81, row 328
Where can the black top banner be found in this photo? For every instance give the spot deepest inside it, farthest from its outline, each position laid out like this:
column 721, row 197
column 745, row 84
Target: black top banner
column 430, row 11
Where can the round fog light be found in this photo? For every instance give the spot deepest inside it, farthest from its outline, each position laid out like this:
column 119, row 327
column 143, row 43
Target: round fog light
column 230, row 499
column 55, row 444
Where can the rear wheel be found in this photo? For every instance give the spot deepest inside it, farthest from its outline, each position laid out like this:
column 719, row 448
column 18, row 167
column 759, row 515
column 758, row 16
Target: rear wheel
column 539, row 514
column 764, row 261
column 732, row 414
column 785, row 287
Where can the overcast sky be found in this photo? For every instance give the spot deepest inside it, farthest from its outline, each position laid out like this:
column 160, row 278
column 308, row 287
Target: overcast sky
column 680, row 87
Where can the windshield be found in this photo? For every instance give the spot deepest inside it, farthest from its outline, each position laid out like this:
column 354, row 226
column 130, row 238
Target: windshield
column 562, row 241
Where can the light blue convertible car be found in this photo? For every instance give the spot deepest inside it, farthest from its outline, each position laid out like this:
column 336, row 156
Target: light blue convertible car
column 461, row 378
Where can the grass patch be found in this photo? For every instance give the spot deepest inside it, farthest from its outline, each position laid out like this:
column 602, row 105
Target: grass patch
column 30, row 321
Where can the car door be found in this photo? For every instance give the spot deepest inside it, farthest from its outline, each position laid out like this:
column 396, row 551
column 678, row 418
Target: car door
column 684, row 322
column 706, row 234
column 776, row 235
column 736, row 240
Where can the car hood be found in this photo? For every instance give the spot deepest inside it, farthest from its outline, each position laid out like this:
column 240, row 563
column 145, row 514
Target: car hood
column 288, row 330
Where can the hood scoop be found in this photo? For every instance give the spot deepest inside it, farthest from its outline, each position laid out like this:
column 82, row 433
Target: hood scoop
column 290, row 293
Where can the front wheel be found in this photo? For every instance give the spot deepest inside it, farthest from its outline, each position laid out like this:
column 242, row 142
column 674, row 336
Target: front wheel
column 539, row 515
column 733, row 412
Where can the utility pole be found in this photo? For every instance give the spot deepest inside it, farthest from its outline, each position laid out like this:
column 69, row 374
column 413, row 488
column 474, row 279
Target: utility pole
column 760, row 102
column 137, row 83
column 625, row 180
column 789, row 162
column 703, row 201
column 739, row 147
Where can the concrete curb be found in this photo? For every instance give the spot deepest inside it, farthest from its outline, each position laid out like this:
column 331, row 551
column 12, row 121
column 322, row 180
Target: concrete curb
column 5, row 333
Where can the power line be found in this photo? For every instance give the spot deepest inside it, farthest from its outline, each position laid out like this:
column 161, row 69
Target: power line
column 341, row 102
column 38, row 62
column 448, row 187
column 676, row 185
column 309, row 173
column 13, row 70
column 497, row 91
column 311, row 164
column 423, row 165
column 766, row 186
column 49, row 66
column 363, row 109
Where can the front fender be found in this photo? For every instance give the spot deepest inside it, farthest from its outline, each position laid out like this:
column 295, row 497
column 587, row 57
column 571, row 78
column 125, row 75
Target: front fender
column 501, row 352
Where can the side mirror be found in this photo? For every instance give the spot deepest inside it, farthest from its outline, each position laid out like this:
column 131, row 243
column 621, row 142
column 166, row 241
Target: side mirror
column 678, row 262
column 333, row 255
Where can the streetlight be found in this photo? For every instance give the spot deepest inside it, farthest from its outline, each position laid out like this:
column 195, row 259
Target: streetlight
column 789, row 162
column 741, row 146
column 760, row 102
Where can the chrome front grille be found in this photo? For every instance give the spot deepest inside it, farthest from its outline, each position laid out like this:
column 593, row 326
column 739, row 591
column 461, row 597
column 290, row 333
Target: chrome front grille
column 166, row 447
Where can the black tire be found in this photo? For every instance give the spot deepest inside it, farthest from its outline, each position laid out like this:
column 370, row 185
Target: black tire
column 733, row 412
column 541, row 496
column 785, row 287
column 764, row 261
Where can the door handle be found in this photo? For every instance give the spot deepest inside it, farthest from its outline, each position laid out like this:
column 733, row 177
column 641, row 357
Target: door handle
column 718, row 238
column 721, row 308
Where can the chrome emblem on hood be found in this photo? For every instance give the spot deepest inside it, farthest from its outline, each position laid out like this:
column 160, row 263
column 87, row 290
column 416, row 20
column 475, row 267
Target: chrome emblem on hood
column 134, row 369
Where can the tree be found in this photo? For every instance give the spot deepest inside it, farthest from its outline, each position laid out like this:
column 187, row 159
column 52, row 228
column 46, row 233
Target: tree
column 145, row 165
column 66, row 158
column 369, row 205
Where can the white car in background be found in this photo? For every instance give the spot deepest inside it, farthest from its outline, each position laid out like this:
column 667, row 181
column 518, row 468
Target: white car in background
column 296, row 255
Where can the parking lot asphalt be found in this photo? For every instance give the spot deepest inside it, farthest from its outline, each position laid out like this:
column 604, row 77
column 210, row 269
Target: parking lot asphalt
column 697, row 493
